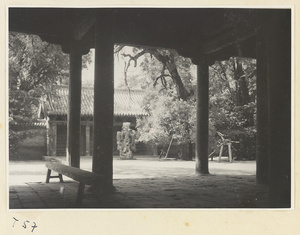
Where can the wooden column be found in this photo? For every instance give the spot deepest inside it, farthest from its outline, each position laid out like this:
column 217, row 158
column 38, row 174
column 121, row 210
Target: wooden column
column 279, row 63
column 51, row 138
column 103, row 100
column 73, row 148
column 262, row 155
column 202, row 116
column 87, row 140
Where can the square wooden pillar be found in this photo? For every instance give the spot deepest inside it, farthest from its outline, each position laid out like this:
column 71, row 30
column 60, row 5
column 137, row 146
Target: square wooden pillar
column 87, row 139
column 103, row 99
column 74, row 112
column 262, row 116
column 279, row 83
column 51, row 138
column 202, row 116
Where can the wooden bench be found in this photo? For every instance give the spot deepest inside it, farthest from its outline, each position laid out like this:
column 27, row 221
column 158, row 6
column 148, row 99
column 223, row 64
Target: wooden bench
column 79, row 175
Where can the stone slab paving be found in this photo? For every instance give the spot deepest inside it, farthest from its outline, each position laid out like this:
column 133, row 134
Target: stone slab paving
column 144, row 183
column 194, row 191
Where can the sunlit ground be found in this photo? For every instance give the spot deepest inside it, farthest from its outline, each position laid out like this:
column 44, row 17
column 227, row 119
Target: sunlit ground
column 21, row 172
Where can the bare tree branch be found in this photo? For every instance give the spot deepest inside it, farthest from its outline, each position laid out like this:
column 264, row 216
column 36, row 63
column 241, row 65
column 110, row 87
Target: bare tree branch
column 135, row 57
column 168, row 64
column 119, row 48
column 252, row 74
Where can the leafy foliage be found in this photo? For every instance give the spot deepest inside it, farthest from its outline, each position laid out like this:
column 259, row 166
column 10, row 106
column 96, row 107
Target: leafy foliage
column 168, row 116
column 34, row 68
column 232, row 102
column 171, row 110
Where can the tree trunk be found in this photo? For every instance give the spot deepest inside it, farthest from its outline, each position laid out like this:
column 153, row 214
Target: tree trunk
column 171, row 66
column 242, row 91
column 181, row 91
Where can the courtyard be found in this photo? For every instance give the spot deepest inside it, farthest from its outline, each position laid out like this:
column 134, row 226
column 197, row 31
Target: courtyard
column 146, row 182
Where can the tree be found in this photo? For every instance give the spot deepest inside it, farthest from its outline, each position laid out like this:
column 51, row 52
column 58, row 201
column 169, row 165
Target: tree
column 35, row 67
column 167, row 66
column 232, row 97
column 233, row 91
column 233, row 102
column 170, row 93
column 171, row 117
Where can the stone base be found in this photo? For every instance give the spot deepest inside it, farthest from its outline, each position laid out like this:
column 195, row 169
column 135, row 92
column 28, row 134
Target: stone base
column 124, row 158
column 168, row 159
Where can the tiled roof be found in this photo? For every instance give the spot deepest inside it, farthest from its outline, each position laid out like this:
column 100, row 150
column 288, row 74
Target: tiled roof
column 125, row 103
column 29, row 124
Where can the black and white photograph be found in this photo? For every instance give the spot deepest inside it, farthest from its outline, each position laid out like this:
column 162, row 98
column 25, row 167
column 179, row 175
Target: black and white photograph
column 126, row 108
column 141, row 108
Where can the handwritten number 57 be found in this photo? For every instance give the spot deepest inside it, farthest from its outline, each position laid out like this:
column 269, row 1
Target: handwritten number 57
column 24, row 224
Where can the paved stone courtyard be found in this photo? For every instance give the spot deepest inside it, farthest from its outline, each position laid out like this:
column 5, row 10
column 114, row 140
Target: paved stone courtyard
column 230, row 185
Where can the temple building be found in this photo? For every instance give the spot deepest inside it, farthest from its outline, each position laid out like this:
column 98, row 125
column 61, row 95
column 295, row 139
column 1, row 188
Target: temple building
column 54, row 109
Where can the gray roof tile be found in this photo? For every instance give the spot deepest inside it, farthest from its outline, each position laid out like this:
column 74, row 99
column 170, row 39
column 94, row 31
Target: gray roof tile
column 125, row 103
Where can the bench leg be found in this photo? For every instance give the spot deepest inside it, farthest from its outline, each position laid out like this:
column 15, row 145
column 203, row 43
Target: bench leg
column 79, row 197
column 48, row 176
column 60, row 178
